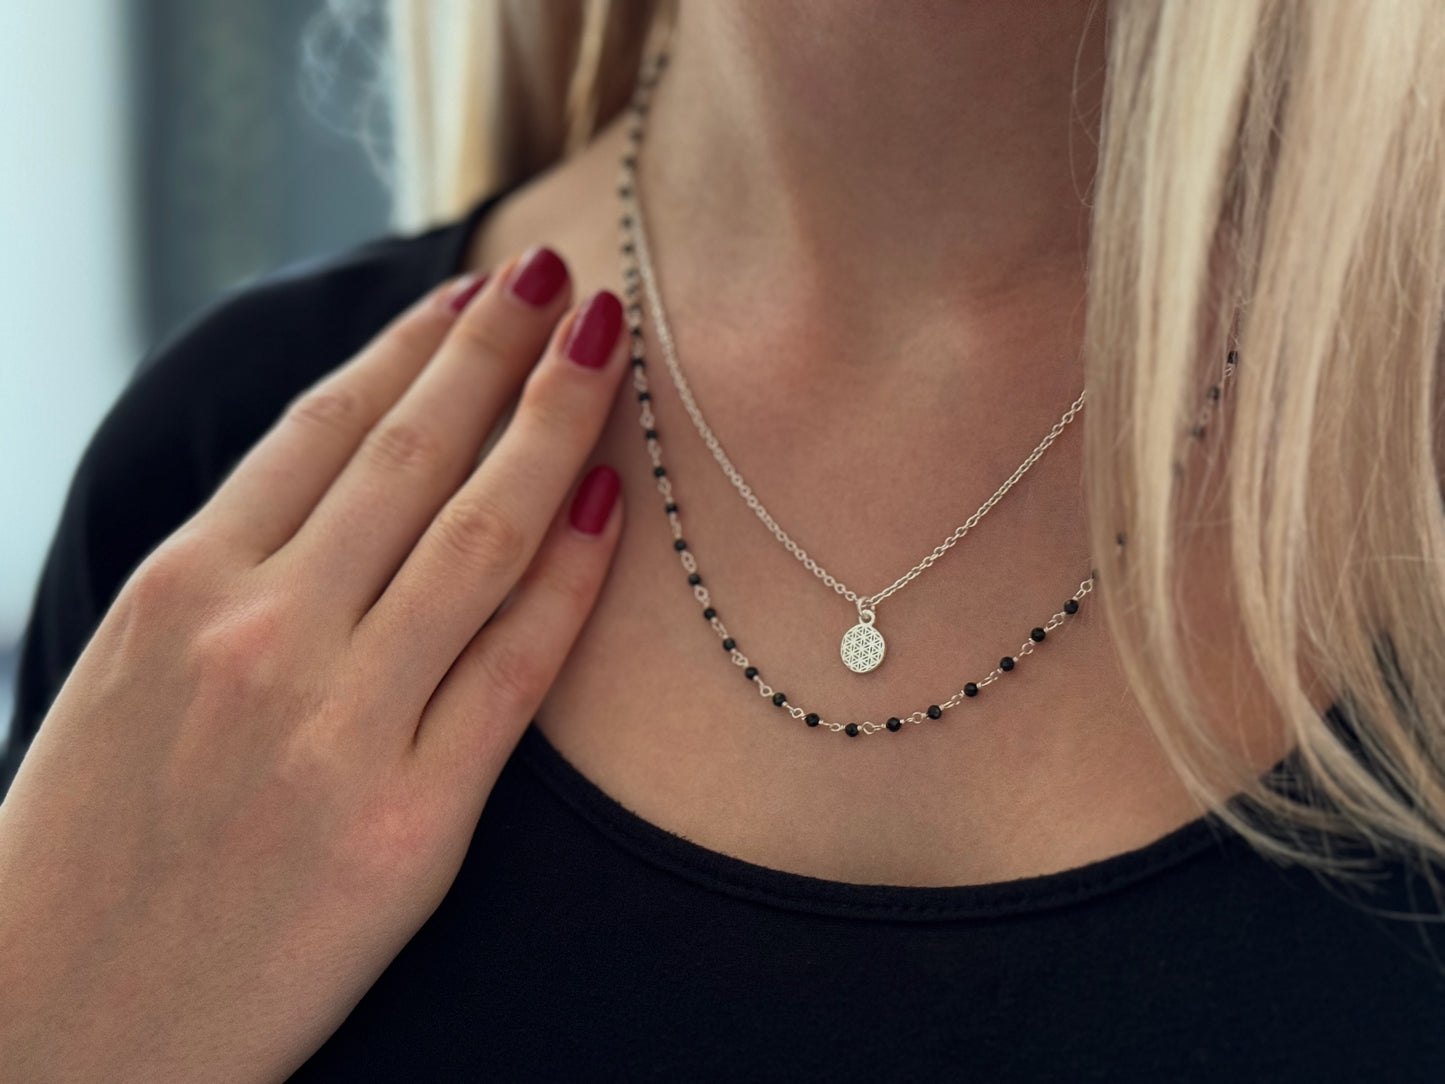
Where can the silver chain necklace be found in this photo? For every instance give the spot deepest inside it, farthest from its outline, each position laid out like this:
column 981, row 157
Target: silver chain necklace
column 632, row 277
column 862, row 646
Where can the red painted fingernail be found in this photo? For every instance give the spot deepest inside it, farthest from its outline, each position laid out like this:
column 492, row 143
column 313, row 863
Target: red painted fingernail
column 539, row 276
column 466, row 289
column 594, row 330
column 595, row 498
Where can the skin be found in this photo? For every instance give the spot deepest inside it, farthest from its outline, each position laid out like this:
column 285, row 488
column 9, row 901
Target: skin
column 263, row 772
column 875, row 366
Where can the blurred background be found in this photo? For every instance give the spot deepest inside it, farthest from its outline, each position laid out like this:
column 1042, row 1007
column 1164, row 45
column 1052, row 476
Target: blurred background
column 160, row 151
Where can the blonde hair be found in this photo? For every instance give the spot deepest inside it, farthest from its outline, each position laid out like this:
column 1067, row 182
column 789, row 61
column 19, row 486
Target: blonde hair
column 487, row 92
column 1271, row 176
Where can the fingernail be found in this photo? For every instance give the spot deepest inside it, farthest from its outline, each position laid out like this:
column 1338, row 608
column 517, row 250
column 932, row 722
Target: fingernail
column 539, row 276
column 595, row 498
column 594, row 330
column 465, row 289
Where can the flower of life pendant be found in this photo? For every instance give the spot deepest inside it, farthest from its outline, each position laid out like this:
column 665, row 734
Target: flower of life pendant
column 862, row 647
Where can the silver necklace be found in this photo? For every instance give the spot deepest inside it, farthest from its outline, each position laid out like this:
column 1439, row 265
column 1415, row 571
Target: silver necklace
column 862, row 647
column 633, row 255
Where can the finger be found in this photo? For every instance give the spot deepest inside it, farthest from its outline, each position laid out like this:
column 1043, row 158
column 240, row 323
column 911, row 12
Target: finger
column 494, row 688
column 482, row 541
column 275, row 485
column 421, row 450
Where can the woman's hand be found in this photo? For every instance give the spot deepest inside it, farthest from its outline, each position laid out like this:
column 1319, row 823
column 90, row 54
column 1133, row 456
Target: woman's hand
column 264, row 771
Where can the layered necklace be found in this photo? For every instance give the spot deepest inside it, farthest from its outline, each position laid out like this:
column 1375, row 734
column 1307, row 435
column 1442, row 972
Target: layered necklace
column 862, row 646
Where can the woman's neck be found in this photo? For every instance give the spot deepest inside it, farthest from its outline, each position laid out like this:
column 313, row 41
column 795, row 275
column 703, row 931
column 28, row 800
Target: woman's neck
column 869, row 243
column 925, row 151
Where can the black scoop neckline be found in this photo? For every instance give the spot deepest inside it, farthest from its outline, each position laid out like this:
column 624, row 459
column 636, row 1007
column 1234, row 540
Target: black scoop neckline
column 718, row 872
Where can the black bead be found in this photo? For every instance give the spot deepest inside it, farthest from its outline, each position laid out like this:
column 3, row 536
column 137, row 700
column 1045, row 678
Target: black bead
column 629, row 248
column 971, row 689
column 1121, row 538
column 669, row 507
column 1234, row 357
column 694, row 579
column 729, row 644
column 934, row 711
column 649, row 434
column 679, row 543
column 811, row 718
column 779, row 699
column 894, row 723
column 1006, row 663
column 1071, row 606
column 644, row 396
column 1037, row 634
column 1196, row 431
column 658, row 472
column 851, row 730
column 750, row 673
column 709, row 614
column 639, row 363
column 1214, row 392
column 625, row 220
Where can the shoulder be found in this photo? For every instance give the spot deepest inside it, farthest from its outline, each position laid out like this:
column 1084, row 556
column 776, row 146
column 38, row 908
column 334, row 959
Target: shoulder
column 210, row 389
column 218, row 381
column 193, row 406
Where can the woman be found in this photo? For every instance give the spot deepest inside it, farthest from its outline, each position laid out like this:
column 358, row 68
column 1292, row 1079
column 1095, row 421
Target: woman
column 287, row 814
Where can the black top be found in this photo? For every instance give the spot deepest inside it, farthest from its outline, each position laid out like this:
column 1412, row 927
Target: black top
column 582, row 942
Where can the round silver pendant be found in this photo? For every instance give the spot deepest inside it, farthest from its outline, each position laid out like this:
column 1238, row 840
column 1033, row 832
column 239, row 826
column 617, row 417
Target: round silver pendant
column 862, row 648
